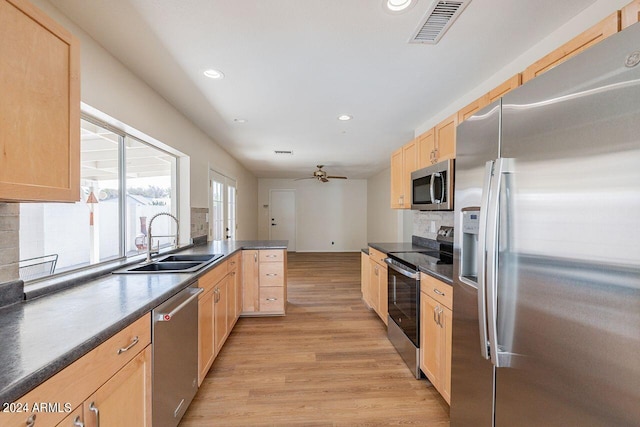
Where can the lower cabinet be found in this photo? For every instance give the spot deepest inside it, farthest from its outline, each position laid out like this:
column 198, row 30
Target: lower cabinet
column 378, row 284
column 221, row 313
column 112, row 381
column 436, row 318
column 219, row 307
column 365, row 283
column 125, row 399
column 264, row 282
column 206, row 347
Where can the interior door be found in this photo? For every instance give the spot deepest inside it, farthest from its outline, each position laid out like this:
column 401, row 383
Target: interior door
column 222, row 207
column 282, row 216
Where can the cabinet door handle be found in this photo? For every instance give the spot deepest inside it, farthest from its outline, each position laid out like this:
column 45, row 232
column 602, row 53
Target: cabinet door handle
column 31, row 421
column 233, row 273
column 93, row 408
column 271, row 274
column 272, row 299
column 77, row 422
column 438, row 292
column 127, row 348
column 255, row 257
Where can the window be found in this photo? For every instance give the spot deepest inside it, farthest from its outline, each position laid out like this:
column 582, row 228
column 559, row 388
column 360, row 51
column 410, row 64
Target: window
column 223, row 225
column 124, row 182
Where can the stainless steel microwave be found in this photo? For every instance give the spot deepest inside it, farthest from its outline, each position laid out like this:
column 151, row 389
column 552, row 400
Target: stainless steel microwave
column 432, row 187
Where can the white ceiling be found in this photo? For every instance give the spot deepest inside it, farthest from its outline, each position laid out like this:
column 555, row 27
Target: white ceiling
column 292, row 66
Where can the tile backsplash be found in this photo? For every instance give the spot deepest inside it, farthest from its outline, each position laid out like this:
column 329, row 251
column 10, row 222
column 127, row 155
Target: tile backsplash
column 199, row 223
column 9, row 239
column 426, row 224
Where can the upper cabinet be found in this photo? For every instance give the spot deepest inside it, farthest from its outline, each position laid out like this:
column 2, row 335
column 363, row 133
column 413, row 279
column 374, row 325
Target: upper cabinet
column 630, row 14
column 503, row 89
column 489, row 97
column 593, row 35
column 445, row 132
column 403, row 162
column 39, row 106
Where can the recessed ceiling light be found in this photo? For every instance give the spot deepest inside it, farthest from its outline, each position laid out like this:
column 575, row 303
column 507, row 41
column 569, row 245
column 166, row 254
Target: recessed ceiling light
column 240, row 120
column 344, row 117
column 397, row 6
column 214, row 74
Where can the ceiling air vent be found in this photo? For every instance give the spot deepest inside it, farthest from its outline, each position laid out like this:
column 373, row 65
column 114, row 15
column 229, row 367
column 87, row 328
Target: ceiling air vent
column 437, row 21
column 283, row 151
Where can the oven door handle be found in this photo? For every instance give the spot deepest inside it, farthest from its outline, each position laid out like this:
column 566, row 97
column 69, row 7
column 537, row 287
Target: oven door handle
column 412, row 274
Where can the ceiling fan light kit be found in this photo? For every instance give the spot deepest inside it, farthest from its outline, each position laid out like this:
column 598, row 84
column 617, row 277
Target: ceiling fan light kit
column 321, row 175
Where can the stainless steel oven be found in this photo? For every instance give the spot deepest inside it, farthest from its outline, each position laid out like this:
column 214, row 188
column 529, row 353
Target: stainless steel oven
column 404, row 312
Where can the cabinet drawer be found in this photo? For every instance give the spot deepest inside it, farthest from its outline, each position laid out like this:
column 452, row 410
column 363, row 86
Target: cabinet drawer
column 271, row 274
column 78, row 381
column 436, row 289
column 272, row 255
column 271, row 299
column 234, row 262
column 212, row 277
column 377, row 256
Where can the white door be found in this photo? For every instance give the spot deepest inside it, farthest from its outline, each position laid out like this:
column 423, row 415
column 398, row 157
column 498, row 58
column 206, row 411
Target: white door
column 282, row 216
column 222, row 224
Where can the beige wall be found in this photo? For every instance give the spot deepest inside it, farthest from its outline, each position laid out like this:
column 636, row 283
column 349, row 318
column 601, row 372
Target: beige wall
column 108, row 86
column 383, row 223
column 335, row 211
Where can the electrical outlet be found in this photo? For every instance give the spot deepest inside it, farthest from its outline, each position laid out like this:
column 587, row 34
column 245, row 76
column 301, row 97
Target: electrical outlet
column 433, row 226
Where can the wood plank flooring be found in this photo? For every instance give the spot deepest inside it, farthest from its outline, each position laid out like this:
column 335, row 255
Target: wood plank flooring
column 327, row 363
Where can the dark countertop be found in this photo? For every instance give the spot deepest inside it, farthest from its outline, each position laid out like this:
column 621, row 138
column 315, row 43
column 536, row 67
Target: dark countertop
column 443, row 272
column 42, row 336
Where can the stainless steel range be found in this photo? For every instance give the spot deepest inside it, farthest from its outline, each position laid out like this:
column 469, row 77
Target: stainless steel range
column 403, row 328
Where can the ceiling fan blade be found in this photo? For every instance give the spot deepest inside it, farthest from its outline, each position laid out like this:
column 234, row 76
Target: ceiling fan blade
column 337, row 177
column 323, row 179
column 308, row 177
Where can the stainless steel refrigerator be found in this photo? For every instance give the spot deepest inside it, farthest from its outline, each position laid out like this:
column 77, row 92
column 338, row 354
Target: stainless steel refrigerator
column 546, row 317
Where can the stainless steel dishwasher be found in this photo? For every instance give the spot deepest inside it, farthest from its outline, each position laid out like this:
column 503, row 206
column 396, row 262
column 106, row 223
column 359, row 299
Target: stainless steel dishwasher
column 175, row 356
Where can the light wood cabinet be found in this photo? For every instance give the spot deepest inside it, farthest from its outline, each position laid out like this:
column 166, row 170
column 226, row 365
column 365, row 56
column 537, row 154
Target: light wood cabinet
column 100, row 376
column 489, row 97
column 472, row 108
column 506, row 87
column 445, row 138
column 426, row 148
column 125, row 399
column 264, row 282
column 630, row 14
column 39, row 106
column 378, row 283
column 436, row 304
column 220, row 313
column 235, row 288
column 216, row 311
column 206, row 347
column 365, row 283
column 403, row 162
column 588, row 38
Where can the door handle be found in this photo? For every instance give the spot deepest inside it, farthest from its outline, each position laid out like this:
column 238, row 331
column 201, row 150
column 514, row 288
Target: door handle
column 481, row 260
column 502, row 166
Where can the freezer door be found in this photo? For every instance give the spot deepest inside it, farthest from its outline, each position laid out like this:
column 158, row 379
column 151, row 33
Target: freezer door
column 568, row 292
column 471, row 374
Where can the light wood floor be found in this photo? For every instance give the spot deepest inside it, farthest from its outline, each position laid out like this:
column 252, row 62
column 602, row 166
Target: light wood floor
column 327, row 363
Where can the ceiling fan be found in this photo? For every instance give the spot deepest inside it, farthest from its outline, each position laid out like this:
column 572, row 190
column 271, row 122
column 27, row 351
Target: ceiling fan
column 321, row 175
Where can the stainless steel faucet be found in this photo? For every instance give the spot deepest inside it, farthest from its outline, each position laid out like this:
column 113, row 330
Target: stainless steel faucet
column 150, row 241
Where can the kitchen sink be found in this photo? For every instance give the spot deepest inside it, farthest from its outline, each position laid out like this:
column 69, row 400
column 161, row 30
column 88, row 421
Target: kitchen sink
column 187, row 263
column 190, row 258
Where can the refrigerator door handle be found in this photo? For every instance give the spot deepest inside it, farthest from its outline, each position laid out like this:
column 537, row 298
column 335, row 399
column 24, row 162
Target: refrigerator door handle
column 481, row 260
column 502, row 166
